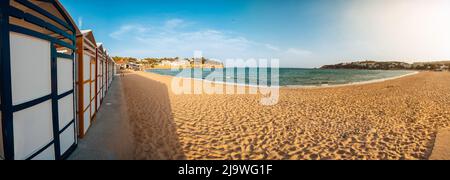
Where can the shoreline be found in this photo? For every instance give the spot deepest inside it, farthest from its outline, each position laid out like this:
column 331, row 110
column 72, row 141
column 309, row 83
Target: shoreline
column 353, row 83
column 296, row 86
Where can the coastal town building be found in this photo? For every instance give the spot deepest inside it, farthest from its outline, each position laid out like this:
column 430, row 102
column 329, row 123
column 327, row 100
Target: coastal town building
column 165, row 63
column 134, row 66
column 176, row 63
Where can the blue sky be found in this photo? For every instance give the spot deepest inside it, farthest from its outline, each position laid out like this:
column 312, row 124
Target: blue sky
column 300, row 33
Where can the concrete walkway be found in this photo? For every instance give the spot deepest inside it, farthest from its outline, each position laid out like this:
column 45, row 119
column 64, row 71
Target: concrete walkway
column 441, row 150
column 110, row 136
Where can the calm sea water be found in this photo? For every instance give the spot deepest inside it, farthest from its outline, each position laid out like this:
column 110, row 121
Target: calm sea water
column 284, row 77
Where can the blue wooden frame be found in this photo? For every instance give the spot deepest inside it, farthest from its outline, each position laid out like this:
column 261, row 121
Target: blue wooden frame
column 47, row 14
column 36, row 21
column 6, row 99
column 6, row 105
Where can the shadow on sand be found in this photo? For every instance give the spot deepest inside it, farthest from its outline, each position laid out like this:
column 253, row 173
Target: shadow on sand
column 151, row 119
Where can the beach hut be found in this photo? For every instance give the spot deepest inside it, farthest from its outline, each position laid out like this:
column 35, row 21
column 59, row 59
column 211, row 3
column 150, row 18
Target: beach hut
column 116, row 68
column 37, row 43
column 105, row 72
column 101, row 58
column 86, row 80
column 110, row 71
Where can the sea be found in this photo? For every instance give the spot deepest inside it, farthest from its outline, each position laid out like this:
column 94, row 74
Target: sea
column 284, row 76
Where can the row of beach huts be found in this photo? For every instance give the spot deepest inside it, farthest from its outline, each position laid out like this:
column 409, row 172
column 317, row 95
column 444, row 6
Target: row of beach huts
column 53, row 79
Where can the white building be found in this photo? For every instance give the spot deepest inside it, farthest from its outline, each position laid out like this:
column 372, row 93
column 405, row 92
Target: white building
column 178, row 63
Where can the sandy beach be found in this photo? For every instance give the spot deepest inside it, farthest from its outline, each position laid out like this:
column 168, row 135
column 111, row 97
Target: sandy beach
column 395, row 119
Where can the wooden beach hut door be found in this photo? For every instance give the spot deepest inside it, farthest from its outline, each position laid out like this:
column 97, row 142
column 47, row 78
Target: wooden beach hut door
column 37, row 81
column 86, row 50
column 85, row 120
column 104, row 76
column 110, row 70
column 93, row 85
column 99, row 83
column 100, row 59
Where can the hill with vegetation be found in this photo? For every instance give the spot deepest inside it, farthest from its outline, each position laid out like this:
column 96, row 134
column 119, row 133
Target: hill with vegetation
column 391, row 65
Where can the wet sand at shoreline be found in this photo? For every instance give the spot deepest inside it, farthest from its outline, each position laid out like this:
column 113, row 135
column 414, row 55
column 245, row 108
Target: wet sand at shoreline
column 395, row 119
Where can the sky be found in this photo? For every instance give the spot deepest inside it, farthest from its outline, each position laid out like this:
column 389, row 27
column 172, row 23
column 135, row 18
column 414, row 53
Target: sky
column 300, row 33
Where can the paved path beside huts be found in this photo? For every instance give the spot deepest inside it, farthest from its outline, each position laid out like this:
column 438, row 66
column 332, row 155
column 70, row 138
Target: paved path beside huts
column 110, row 136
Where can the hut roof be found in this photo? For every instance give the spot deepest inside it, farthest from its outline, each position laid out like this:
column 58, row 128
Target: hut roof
column 89, row 34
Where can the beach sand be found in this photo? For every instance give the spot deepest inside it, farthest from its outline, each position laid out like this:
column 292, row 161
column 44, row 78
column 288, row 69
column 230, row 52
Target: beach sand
column 395, row 119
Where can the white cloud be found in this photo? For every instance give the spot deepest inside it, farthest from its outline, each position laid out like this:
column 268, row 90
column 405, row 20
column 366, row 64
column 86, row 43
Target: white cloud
column 211, row 42
column 173, row 38
column 272, row 47
column 299, row 52
column 129, row 30
column 80, row 22
column 174, row 23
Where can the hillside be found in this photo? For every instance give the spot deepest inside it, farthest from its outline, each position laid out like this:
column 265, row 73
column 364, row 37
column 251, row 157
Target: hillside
column 391, row 65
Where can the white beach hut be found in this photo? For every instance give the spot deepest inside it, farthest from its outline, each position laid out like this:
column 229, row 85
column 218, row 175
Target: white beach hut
column 37, row 43
column 105, row 74
column 115, row 68
column 110, row 71
column 101, row 58
column 86, row 80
